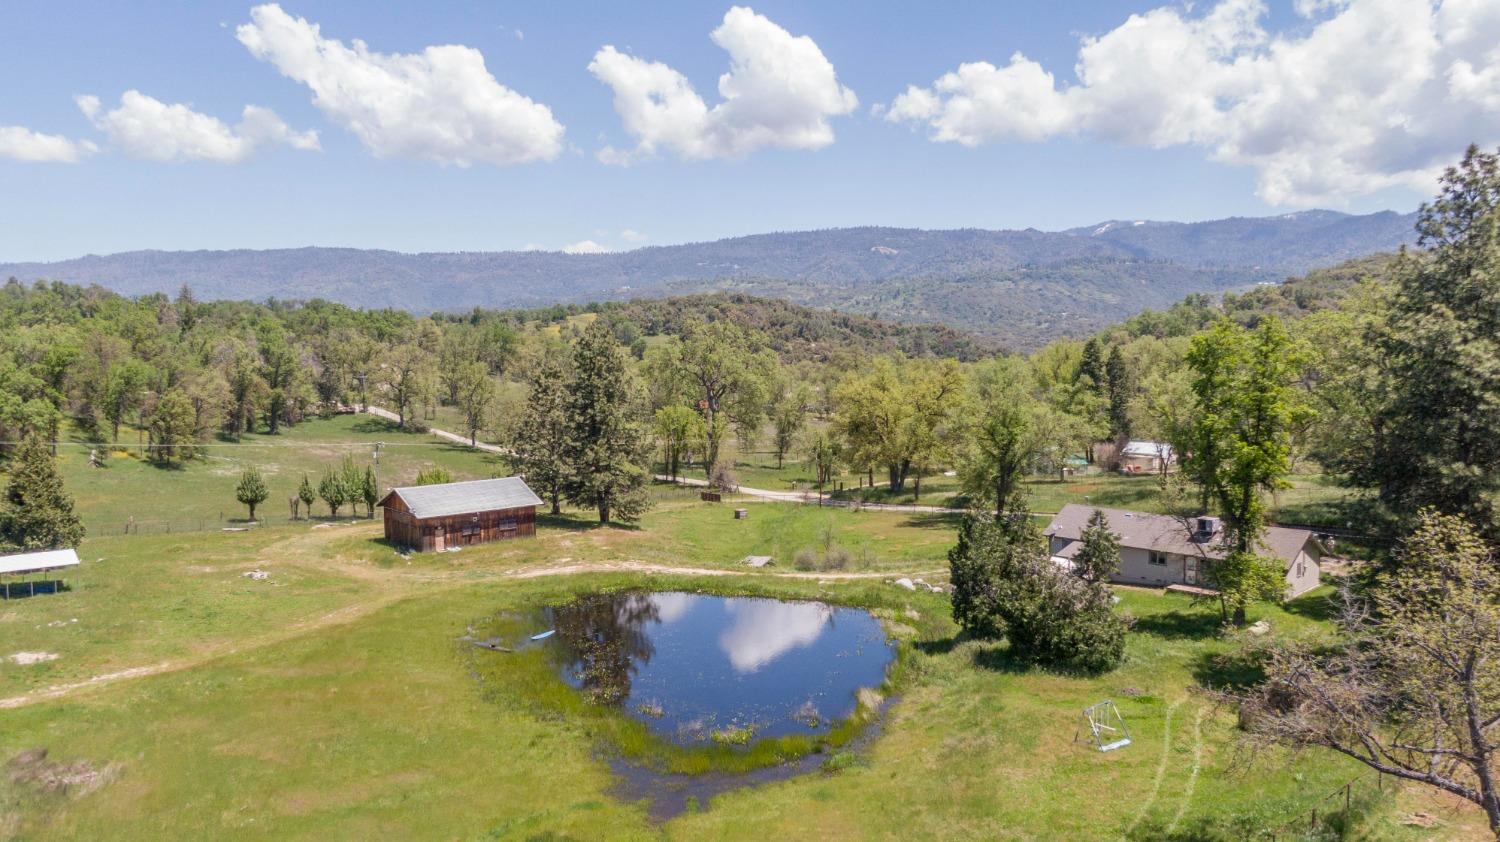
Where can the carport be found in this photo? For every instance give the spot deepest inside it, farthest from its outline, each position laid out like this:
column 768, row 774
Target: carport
column 28, row 566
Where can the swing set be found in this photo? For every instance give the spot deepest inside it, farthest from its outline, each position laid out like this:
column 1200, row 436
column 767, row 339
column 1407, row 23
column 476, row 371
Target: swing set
column 1106, row 726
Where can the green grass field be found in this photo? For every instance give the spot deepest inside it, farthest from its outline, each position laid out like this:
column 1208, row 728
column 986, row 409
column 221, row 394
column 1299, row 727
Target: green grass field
column 199, row 493
column 334, row 699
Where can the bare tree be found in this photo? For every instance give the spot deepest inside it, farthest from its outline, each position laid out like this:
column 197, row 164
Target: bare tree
column 1414, row 688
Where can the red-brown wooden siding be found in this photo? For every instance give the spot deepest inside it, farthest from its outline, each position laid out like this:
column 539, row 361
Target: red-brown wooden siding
column 460, row 530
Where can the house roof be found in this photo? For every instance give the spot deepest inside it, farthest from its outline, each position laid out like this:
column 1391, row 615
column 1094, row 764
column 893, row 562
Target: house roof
column 457, row 498
column 1168, row 534
column 1147, row 448
column 35, row 562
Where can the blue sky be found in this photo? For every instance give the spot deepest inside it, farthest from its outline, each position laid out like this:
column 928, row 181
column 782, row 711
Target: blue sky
column 1182, row 113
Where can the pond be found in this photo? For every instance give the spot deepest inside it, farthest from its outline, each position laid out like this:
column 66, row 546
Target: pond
column 702, row 669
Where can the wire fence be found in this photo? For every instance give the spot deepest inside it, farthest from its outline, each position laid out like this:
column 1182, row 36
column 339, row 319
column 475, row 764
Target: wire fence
column 223, row 523
column 1330, row 816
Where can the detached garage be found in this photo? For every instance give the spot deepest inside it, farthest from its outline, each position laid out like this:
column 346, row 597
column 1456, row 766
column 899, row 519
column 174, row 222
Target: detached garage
column 458, row 514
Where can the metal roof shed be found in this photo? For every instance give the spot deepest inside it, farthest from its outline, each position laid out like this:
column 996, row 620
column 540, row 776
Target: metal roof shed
column 28, row 564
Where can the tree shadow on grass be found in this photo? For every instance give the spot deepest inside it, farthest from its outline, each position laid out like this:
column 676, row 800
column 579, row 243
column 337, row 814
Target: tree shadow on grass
column 376, row 424
column 933, row 520
column 1180, row 625
column 567, row 523
column 1317, row 607
column 1230, row 671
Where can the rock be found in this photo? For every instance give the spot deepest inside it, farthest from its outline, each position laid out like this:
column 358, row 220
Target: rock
column 257, row 575
column 758, row 560
column 24, row 658
column 904, row 582
column 1259, row 628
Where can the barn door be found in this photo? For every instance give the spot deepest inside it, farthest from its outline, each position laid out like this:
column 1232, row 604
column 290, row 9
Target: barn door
column 439, row 542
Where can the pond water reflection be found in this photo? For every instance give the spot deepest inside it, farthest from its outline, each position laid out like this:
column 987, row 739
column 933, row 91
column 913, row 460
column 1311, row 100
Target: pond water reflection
column 696, row 667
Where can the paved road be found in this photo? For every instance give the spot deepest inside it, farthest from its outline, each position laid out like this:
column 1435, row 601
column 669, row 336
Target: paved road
column 812, row 499
column 760, row 493
column 378, row 412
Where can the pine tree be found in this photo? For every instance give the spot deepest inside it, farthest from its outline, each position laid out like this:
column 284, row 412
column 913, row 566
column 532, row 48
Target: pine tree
column 1121, row 388
column 354, row 484
column 1098, row 559
column 1441, row 348
column 251, row 490
column 1092, row 367
column 539, row 450
column 306, row 495
column 38, row 512
column 606, row 448
column 331, row 489
column 369, row 491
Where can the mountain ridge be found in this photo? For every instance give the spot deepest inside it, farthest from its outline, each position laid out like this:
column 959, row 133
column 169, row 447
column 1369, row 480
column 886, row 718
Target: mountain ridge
column 1015, row 286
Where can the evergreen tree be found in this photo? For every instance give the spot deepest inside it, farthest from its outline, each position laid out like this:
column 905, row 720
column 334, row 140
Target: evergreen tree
column 306, row 495
column 606, row 448
column 1120, row 391
column 539, row 446
column 1006, row 586
column 353, row 481
column 38, row 512
column 1092, row 367
column 1099, row 558
column 1442, row 356
column 251, row 489
column 369, row 491
column 331, row 489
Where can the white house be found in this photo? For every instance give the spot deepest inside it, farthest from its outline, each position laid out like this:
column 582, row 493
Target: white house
column 1146, row 457
column 1166, row 551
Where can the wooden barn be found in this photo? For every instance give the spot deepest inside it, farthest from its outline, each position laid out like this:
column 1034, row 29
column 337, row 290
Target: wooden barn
column 458, row 514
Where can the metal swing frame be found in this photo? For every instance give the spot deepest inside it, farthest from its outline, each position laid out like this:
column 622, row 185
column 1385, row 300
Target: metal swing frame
column 1107, row 726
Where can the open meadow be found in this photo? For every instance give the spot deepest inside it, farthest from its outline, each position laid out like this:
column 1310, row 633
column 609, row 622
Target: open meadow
column 335, row 697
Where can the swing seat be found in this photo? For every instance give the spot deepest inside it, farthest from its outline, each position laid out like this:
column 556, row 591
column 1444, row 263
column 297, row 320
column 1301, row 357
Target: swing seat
column 1116, row 744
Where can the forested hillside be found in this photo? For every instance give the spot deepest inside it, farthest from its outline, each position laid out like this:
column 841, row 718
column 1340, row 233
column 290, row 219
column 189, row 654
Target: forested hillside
column 1020, row 288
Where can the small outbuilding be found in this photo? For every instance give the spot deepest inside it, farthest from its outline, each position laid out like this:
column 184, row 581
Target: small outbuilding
column 30, row 565
column 459, row 514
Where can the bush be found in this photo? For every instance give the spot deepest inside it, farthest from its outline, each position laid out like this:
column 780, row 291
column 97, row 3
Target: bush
column 833, row 558
column 724, row 479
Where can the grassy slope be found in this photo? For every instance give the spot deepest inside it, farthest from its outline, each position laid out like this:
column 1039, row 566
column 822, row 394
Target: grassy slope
column 376, row 729
column 333, row 701
column 197, row 492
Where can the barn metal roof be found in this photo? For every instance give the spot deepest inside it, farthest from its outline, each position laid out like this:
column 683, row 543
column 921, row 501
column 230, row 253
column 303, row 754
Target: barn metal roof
column 457, row 498
column 35, row 562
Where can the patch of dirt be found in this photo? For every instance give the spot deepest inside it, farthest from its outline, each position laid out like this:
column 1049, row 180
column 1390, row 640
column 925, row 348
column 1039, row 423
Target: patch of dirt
column 31, row 769
column 24, row 658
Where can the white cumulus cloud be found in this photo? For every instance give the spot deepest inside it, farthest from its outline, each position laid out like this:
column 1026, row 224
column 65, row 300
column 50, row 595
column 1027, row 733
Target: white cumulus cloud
column 22, row 144
column 440, row 105
column 779, row 92
column 1366, row 95
column 630, row 235
column 147, row 128
column 584, row 247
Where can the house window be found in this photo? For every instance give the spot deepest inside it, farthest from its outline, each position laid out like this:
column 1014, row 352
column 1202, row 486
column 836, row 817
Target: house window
column 1158, row 559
